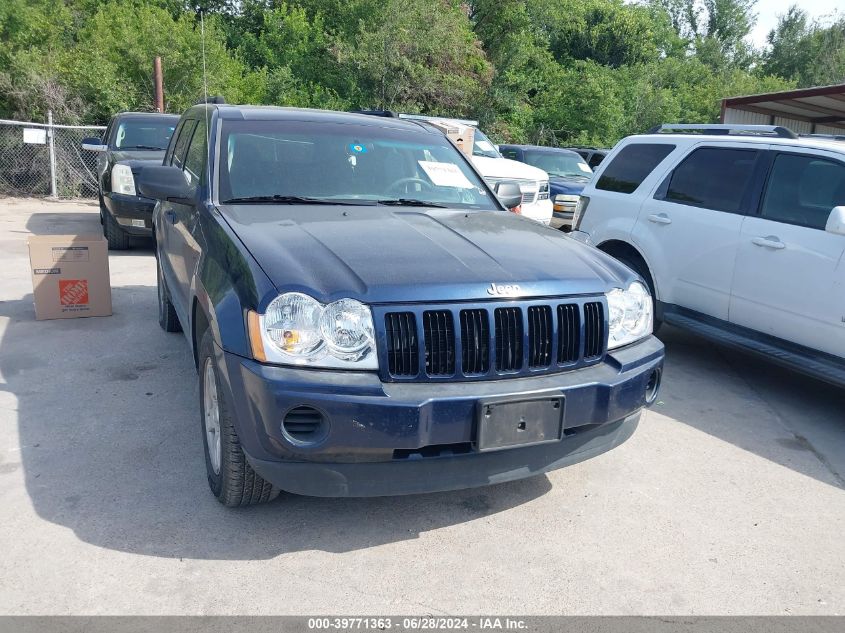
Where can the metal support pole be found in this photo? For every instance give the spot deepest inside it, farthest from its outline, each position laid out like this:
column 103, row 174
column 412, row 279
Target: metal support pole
column 53, row 188
column 159, row 85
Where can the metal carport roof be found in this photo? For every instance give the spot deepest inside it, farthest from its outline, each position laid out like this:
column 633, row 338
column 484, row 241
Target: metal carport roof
column 821, row 106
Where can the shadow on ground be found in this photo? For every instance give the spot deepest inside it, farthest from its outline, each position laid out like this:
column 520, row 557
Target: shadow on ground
column 111, row 448
column 756, row 405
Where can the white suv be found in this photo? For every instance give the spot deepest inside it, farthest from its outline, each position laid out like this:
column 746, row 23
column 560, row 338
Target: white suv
column 738, row 230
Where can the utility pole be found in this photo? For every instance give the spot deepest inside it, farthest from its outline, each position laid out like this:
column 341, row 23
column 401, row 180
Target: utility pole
column 159, row 85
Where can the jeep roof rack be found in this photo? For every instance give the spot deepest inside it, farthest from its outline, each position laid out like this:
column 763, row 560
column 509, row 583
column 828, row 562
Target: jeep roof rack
column 734, row 129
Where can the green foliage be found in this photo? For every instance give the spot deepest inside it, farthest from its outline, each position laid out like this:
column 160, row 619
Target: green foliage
column 420, row 55
column 715, row 31
column 548, row 71
column 811, row 53
column 111, row 64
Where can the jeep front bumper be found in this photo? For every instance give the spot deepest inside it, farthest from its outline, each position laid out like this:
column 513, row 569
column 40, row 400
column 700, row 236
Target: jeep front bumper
column 390, row 438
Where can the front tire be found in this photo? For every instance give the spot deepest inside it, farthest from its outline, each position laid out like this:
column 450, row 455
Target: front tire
column 117, row 238
column 232, row 480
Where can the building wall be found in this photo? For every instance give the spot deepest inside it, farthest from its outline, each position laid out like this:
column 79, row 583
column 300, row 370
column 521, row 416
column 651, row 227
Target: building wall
column 744, row 117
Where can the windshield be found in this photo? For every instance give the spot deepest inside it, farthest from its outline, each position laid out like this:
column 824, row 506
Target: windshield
column 565, row 164
column 299, row 162
column 152, row 133
column 483, row 146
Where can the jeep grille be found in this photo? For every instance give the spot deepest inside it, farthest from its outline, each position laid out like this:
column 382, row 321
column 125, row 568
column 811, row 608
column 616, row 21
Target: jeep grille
column 491, row 339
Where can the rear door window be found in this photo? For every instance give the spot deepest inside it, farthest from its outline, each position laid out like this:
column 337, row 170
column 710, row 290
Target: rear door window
column 194, row 167
column 716, row 178
column 182, row 143
column 632, row 165
column 803, row 190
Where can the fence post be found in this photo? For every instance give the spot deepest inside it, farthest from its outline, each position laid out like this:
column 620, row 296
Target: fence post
column 53, row 189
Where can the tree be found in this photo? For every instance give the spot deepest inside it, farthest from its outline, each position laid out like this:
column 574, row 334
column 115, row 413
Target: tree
column 607, row 32
column 716, row 31
column 35, row 35
column 111, row 65
column 419, row 55
column 811, row 53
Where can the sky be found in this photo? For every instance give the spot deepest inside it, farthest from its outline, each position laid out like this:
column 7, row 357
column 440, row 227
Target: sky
column 769, row 10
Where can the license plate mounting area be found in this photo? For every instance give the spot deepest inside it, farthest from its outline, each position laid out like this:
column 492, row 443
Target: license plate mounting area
column 511, row 422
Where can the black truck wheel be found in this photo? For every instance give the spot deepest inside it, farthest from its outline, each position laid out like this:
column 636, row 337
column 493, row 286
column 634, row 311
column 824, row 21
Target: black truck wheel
column 230, row 477
column 117, row 238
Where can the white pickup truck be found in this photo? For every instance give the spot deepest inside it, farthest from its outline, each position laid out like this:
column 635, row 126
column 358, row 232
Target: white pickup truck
column 495, row 168
column 533, row 181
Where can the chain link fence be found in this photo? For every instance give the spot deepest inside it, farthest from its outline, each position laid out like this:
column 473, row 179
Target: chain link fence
column 38, row 159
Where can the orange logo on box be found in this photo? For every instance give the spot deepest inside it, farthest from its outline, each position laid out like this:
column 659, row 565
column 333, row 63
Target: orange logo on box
column 73, row 292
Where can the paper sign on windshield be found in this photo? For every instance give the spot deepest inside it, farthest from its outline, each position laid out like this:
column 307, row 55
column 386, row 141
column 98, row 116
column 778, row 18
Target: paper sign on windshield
column 583, row 167
column 445, row 174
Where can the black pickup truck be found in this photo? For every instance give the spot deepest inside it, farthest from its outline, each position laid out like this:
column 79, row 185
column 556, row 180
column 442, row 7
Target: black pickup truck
column 130, row 140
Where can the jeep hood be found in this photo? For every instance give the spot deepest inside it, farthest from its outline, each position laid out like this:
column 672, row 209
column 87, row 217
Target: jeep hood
column 382, row 255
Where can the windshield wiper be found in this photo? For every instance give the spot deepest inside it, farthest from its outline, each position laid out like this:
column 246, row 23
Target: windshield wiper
column 411, row 202
column 277, row 199
column 144, row 147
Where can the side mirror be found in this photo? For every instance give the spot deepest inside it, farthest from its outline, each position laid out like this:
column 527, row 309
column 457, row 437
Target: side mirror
column 164, row 182
column 94, row 144
column 508, row 193
column 836, row 221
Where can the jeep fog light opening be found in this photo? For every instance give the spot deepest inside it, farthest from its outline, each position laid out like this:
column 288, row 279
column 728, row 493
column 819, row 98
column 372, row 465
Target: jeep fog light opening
column 297, row 329
column 630, row 314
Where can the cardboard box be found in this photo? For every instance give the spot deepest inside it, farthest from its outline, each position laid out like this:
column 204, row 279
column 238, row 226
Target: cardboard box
column 70, row 276
column 462, row 135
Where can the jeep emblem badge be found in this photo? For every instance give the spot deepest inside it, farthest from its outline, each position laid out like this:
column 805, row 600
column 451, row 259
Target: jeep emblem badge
column 504, row 290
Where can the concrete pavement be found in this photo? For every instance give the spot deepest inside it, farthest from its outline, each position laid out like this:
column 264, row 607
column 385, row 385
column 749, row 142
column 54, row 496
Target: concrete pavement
column 729, row 498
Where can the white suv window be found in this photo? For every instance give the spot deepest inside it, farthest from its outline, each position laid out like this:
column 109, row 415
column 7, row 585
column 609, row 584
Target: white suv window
column 803, row 190
column 632, row 165
column 713, row 178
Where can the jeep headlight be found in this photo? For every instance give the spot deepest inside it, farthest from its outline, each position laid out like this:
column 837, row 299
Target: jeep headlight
column 630, row 314
column 297, row 329
column 122, row 180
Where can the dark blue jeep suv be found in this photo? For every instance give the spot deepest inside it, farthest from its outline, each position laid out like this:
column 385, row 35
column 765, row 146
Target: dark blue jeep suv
column 367, row 318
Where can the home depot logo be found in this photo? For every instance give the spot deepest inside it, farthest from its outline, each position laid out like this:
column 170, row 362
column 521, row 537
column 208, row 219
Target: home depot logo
column 73, row 292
